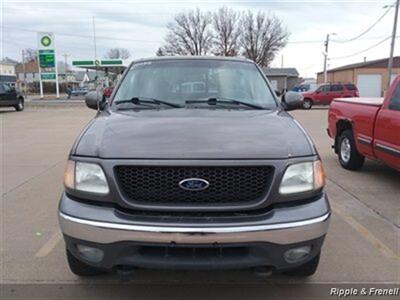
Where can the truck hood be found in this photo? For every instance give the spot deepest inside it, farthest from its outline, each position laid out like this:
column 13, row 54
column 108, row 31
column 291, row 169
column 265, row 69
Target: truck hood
column 194, row 134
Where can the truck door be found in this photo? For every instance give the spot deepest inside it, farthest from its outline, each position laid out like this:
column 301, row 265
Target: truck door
column 387, row 129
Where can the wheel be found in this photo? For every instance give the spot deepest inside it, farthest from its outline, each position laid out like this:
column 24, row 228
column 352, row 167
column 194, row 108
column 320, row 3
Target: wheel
column 307, row 104
column 80, row 268
column 348, row 155
column 20, row 106
column 308, row 269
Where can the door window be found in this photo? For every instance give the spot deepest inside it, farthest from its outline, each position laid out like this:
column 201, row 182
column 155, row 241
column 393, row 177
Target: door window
column 336, row 88
column 395, row 100
column 323, row 88
column 6, row 88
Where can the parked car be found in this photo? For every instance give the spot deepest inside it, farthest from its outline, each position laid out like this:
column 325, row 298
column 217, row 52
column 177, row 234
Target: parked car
column 367, row 128
column 166, row 177
column 9, row 96
column 325, row 93
column 108, row 91
column 80, row 91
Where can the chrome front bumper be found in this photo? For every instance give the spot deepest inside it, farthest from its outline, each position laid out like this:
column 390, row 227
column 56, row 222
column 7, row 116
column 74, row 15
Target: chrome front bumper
column 286, row 225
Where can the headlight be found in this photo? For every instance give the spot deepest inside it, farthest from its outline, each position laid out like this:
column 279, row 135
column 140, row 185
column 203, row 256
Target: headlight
column 85, row 177
column 302, row 177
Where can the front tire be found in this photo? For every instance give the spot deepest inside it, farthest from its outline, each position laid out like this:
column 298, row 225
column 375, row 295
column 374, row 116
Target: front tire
column 349, row 157
column 80, row 268
column 20, row 105
column 307, row 103
column 308, row 269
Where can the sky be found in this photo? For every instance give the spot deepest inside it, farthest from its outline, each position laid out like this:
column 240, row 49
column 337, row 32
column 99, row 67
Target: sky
column 139, row 26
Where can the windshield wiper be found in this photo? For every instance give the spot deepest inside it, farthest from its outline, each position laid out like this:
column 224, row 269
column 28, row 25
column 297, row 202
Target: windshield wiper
column 146, row 100
column 219, row 100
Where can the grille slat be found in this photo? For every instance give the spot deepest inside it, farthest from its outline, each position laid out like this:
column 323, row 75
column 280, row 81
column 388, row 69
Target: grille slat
column 159, row 185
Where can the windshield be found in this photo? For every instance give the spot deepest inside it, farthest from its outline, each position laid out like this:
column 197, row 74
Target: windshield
column 177, row 81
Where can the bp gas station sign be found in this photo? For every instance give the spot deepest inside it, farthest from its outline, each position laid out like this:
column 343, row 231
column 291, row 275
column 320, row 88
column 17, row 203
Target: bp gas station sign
column 47, row 60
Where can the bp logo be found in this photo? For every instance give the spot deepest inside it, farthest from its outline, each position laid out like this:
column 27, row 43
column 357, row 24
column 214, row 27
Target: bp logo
column 45, row 41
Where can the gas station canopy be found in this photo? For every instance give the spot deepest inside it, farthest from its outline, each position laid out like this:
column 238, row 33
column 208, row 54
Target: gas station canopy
column 115, row 66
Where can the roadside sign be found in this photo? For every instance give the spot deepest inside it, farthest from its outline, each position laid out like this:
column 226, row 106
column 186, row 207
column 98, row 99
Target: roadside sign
column 46, row 40
column 48, row 76
column 47, row 60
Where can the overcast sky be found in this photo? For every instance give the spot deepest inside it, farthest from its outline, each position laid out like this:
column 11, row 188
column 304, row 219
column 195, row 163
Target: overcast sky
column 140, row 27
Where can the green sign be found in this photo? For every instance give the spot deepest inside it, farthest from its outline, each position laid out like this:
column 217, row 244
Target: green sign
column 98, row 63
column 48, row 76
column 111, row 62
column 46, row 58
column 82, row 63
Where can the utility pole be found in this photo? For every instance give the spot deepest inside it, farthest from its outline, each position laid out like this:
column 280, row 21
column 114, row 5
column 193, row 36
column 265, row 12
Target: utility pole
column 95, row 47
column 390, row 64
column 326, row 59
column 23, row 63
column 65, row 66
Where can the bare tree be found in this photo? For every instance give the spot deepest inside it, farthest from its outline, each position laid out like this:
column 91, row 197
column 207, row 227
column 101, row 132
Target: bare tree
column 226, row 25
column 262, row 37
column 188, row 34
column 30, row 54
column 115, row 53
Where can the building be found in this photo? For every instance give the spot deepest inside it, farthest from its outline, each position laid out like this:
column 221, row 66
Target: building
column 369, row 76
column 27, row 72
column 7, row 71
column 282, row 78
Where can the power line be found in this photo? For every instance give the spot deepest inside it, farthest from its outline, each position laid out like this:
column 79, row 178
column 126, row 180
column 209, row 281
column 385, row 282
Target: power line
column 362, row 51
column 365, row 31
column 146, row 41
column 80, row 35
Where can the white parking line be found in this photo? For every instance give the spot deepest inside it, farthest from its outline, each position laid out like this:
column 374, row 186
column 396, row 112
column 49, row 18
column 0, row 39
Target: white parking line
column 50, row 245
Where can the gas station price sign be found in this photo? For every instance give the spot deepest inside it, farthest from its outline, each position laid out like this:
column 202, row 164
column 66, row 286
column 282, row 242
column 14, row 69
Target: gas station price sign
column 47, row 58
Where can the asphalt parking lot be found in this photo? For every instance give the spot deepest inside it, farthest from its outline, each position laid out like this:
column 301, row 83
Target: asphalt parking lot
column 362, row 246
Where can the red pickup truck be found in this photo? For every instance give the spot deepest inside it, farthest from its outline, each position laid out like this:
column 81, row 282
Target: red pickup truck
column 367, row 128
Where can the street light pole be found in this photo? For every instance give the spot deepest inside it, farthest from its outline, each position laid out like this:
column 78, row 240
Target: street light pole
column 390, row 64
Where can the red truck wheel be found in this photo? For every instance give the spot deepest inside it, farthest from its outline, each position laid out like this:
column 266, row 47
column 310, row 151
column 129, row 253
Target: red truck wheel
column 348, row 155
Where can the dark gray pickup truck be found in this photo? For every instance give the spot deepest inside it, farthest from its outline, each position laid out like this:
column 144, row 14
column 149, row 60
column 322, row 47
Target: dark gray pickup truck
column 193, row 164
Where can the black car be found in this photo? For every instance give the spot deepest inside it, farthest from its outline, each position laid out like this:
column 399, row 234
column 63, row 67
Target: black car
column 9, row 96
column 194, row 164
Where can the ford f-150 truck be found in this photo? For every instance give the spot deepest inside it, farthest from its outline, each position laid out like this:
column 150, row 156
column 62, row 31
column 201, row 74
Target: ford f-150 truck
column 367, row 128
column 217, row 175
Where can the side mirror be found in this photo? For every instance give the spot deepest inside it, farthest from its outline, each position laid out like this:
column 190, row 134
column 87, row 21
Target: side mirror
column 95, row 100
column 292, row 101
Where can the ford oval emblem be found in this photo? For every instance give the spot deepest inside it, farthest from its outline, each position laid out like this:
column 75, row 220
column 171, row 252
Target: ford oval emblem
column 194, row 184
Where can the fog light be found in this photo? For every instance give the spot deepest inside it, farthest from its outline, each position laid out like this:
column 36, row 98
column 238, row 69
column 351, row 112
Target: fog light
column 297, row 254
column 90, row 253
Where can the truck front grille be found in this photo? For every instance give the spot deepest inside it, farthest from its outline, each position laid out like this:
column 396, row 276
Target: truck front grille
column 159, row 185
